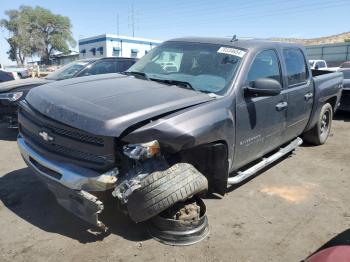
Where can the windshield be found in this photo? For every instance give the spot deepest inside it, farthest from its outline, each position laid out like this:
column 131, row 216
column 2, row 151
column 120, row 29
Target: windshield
column 205, row 67
column 68, row 71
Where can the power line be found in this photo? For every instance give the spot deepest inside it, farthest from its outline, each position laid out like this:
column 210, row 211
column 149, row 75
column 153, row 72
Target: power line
column 211, row 10
column 290, row 11
column 187, row 5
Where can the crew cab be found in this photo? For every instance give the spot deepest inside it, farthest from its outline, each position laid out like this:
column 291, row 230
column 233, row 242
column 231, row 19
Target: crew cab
column 14, row 91
column 226, row 107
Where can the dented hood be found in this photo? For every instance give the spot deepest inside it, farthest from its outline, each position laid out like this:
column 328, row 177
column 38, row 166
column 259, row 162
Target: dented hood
column 109, row 104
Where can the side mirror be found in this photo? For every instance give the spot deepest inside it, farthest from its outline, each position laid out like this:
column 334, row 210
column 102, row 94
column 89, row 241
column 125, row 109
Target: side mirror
column 264, row 87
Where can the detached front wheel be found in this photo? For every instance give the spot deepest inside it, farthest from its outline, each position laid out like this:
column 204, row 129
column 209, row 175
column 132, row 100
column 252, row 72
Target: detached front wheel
column 162, row 189
column 318, row 135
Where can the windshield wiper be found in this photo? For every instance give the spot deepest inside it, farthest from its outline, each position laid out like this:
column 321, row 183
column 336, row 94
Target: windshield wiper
column 135, row 73
column 184, row 84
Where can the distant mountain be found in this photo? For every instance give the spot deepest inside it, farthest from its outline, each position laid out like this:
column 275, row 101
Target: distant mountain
column 339, row 38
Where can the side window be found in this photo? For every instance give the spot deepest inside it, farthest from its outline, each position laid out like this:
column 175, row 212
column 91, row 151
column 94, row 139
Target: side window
column 103, row 67
column 124, row 65
column 265, row 65
column 296, row 66
column 169, row 61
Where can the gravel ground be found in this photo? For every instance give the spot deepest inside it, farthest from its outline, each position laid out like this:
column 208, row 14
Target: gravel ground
column 284, row 214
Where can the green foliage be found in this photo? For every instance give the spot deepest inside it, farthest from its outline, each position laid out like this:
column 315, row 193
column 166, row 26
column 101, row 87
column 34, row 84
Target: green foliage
column 36, row 31
column 347, row 40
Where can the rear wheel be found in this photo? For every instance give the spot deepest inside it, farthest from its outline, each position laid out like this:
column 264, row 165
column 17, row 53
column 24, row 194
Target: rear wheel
column 318, row 135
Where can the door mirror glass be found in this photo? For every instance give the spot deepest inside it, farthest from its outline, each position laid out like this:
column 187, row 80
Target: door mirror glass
column 264, row 87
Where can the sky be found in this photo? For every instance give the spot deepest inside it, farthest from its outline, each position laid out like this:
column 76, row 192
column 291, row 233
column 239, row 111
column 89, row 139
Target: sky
column 160, row 19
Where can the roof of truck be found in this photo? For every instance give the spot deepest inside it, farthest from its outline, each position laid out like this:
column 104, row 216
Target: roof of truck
column 242, row 43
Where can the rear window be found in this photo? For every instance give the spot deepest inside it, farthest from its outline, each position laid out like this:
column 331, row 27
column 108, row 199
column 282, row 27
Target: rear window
column 296, row 66
column 320, row 64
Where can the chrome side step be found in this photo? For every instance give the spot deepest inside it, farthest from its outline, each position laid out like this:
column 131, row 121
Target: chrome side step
column 243, row 175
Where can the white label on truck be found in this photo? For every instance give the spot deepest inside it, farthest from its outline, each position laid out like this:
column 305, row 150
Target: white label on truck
column 231, row 51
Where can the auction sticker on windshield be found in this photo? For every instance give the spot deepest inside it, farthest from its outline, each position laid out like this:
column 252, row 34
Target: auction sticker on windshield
column 231, row 51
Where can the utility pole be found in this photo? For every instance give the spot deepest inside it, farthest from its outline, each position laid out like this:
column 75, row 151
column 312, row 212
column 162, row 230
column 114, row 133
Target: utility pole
column 132, row 20
column 117, row 24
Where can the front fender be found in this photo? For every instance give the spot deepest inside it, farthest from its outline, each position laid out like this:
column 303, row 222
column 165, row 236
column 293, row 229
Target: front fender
column 202, row 124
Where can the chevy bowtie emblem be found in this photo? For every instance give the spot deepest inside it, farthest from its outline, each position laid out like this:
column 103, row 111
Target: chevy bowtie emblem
column 46, row 136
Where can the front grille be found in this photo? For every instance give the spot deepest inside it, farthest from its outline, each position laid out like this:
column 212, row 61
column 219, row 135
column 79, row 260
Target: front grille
column 74, row 134
column 66, row 143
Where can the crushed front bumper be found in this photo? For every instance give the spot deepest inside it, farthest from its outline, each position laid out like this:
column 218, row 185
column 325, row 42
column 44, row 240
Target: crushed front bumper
column 71, row 185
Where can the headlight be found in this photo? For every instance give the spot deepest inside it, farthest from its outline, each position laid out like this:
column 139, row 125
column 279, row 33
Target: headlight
column 142, row 151
column 11, row 96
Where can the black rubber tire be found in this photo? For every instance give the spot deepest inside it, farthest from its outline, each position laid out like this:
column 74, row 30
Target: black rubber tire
column 162, row 189
column 315, row 136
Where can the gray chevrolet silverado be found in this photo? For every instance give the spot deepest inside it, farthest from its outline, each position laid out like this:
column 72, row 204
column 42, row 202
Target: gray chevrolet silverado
column 193, row 114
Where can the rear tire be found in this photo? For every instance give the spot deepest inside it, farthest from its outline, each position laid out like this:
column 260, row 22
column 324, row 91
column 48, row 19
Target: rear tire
column 162, row 189
column 318, row 135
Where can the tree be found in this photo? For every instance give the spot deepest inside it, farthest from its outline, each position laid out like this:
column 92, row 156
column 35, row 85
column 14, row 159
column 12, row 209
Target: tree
column 347, row 40
column 53, row 32
column 37, row 31
column 19, row 46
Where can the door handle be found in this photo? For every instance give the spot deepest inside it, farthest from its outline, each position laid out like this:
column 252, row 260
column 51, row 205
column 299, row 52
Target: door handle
column 308, row 96
column 281, row 106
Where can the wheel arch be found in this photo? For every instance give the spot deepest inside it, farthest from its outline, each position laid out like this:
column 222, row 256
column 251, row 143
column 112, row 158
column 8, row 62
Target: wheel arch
column 333, row 102
column 211, row 159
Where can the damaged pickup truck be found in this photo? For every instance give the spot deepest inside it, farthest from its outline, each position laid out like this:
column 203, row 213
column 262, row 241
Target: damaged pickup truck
column 194, row 114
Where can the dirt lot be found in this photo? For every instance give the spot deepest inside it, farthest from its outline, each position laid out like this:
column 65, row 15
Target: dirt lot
column 284, row 214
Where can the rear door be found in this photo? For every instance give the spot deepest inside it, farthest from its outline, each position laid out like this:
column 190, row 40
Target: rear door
column 260, row 120
column 300, row 91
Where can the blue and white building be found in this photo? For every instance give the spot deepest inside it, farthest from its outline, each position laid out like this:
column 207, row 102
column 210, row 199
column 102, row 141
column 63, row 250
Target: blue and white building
column 108, row 45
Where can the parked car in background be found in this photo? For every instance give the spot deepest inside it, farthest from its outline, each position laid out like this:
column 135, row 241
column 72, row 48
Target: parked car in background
column 22, row 72
column 318, row 64
column 345, row 98
column 345, row 65
column 7, row 76
column 14, row 91
column 321, row 65
column 154, row 134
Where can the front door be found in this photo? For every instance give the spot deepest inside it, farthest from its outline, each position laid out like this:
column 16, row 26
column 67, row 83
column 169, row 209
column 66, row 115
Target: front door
column 261, row 120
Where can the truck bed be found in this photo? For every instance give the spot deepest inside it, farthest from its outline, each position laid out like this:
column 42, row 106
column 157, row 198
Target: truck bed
column 327, row 84
column 320, row 72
